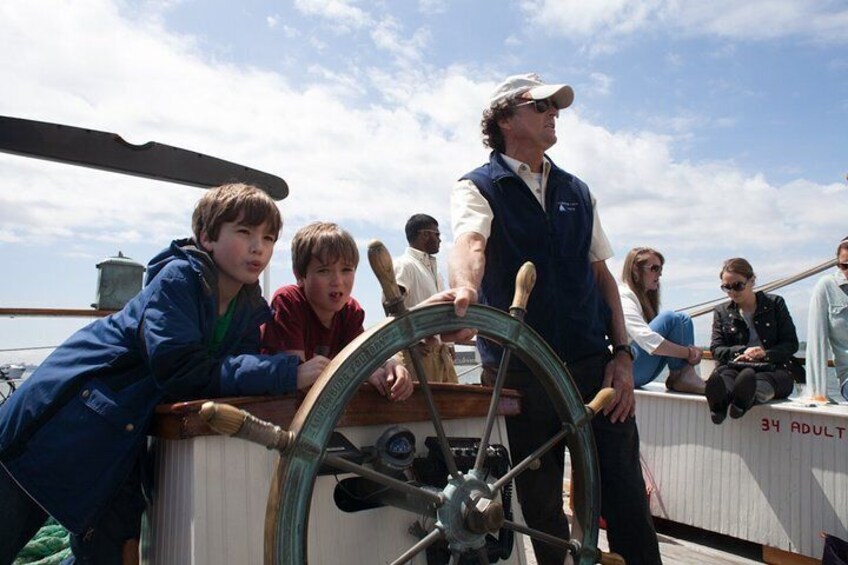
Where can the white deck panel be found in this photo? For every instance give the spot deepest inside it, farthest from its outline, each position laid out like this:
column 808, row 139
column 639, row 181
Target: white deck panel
column 778, row 476
column 209, row 505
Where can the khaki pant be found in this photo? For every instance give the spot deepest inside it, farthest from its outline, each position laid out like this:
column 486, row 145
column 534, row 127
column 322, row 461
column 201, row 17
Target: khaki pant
column 436, row 361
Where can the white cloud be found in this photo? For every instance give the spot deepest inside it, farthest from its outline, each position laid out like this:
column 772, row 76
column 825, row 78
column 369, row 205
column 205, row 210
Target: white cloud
column 602, row 21
column 512, row 40
column 761, row 19
column 290, row 32
column 342, row 13
column 55, row 203
column 685, row 122
column 387, row 37
column 366, row 147
column 318, row 44
column 341, row 85
column 601, row 84
column 575, row 17
column 9, row 236
column 673, row 59
column 272, row 21
column 706, row 208
column 331, row 154
column 431, row 7
column 407, row 145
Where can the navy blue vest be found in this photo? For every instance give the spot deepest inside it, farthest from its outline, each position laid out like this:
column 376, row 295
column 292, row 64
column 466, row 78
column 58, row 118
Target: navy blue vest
column 566, row 306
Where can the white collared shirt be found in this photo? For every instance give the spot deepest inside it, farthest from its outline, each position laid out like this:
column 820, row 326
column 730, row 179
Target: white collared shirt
column 638, row 329
column 418, row 273
column 470, row 211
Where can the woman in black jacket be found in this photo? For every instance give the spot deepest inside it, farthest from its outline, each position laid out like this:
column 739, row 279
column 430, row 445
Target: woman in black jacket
column 753, row 342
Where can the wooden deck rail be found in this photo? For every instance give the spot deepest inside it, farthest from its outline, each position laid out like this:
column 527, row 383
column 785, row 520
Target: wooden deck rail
column 368, row 408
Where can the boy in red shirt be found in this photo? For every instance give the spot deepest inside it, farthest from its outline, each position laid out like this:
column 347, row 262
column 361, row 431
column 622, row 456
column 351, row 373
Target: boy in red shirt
column 317, row 317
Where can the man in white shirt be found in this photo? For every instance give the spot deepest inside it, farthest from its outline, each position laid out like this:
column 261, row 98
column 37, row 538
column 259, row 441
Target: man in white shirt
column 517, row 207
column 418, row 277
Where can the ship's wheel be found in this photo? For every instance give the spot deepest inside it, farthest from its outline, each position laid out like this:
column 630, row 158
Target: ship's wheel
column 468, row 507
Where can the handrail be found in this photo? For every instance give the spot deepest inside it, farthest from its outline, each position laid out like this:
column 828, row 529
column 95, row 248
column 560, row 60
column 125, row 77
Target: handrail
column 707, row 307
column 56, row 312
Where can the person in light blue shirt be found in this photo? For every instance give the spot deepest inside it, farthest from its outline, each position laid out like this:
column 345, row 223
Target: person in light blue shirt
column 827, row 326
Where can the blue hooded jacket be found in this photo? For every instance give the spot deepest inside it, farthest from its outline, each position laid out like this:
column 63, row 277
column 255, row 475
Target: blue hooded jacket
column 70, row 434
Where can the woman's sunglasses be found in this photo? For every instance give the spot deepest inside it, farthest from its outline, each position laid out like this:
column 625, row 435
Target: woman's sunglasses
column 735, row 287
column 653, row 268
column 541, row 106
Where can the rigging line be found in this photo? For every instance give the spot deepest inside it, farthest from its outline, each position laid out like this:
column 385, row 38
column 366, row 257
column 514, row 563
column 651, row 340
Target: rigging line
column 706, row 307
column 466, row 371
column 28, row 348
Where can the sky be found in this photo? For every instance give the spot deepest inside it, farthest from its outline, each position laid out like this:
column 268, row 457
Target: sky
column 707, row 130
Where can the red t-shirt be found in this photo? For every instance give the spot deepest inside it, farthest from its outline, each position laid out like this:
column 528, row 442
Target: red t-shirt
column 296, row 327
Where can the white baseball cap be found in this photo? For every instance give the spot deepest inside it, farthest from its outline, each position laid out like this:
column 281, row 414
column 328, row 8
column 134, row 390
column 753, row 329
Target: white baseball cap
column 531, row 87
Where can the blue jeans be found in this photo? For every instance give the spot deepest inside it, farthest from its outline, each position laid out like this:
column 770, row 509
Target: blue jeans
column 675, row 327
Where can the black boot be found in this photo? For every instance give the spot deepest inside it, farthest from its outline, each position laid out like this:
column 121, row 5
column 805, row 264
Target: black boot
column 718, row 398
column 764, row 393
column 744, row 389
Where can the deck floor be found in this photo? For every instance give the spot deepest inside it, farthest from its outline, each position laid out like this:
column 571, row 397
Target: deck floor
column 682, row 545
column 680, row 551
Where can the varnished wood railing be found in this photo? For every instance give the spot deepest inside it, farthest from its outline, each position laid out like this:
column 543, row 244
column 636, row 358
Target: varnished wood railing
column 367, row 408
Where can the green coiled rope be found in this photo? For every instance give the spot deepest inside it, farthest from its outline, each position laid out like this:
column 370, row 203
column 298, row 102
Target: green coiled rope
column 49, row 546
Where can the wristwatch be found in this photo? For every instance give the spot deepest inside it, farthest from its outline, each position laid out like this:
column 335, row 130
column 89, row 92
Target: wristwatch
column 623, row 348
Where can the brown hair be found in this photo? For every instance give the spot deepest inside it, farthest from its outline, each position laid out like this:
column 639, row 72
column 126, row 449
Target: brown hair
column 234, row 202
column 649, row 300
column 738, row 266
column 842, row 245
column 326, row 242
column 492, row 134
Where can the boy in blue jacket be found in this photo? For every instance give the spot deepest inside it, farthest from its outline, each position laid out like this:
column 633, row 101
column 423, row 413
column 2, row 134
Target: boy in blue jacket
column 71, row 435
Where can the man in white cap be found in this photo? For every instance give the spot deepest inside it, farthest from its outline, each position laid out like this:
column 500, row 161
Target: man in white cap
column 521, row 207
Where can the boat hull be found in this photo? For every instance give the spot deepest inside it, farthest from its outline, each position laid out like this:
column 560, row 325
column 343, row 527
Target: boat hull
column 212, row 491
column 777, row 477
column 209, row 507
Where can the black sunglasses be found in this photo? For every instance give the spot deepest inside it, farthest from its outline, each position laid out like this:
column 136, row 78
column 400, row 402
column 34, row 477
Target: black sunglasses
column 735, row 287
column 843, row 266
column 653, row 268
column 541, row 106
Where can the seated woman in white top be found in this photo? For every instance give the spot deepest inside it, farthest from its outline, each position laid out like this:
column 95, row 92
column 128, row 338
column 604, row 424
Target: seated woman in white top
column 657, row 338
column 827, row 325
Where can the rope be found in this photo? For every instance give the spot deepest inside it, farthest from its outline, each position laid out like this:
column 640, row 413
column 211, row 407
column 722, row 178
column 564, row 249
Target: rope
column 50, row 546
column 466, row 371
column 651, row 486
column 707, row 307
